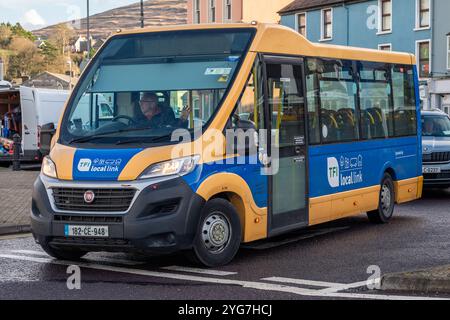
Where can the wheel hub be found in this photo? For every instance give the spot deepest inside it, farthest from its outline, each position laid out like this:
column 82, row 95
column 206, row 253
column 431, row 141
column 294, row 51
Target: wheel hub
column 385, row 198
column 216, row 232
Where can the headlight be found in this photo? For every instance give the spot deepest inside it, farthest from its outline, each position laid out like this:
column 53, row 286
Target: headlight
column 180, row 167
column 49, row 168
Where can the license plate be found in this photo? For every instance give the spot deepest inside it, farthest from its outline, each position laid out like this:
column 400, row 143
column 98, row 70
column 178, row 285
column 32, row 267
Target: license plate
column 431, row 170
column 86, row 231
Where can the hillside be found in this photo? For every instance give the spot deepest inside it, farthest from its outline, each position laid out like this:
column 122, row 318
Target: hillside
column 156, row 13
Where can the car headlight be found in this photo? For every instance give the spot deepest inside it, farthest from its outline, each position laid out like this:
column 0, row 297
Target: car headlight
column 49, row 168
column 180, row 167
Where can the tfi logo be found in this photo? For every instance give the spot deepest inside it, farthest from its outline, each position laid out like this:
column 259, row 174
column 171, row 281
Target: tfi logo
column 84, row 165
column 333, row 172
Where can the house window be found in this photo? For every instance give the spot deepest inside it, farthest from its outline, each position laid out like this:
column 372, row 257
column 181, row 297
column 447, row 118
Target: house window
column 423, row 13
column 301, row 23
column 448, row 52
column 228, row 10
column 386, row 15
column 424, row 58
column 212, row 10
column 196, row 11
column 327, row 24
column 385, row 47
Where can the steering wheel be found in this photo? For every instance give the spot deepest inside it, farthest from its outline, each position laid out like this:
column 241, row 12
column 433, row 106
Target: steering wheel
column 130, row 119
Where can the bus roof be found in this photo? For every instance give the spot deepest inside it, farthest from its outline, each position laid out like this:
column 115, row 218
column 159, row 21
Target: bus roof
column 277, row 39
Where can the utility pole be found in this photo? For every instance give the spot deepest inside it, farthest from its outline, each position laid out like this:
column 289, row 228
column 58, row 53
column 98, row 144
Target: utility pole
column 142, row 13
column 88, row 34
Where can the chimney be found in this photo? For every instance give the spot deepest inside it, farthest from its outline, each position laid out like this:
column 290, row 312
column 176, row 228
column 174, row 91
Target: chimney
column 1, row 69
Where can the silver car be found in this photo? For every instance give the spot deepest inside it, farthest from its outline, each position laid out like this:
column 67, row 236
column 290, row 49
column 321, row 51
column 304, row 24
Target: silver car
column 436, row 148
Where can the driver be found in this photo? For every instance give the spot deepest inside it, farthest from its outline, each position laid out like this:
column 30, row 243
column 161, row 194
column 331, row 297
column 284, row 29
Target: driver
column 156, row 115
column 428, row 128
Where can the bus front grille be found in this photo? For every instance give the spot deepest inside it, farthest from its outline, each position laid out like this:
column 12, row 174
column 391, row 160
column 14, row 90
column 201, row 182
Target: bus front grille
column 436, row 157
column 105, row 200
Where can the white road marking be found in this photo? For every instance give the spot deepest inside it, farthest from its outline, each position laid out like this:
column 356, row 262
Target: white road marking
column 95, row 259
column 201, row 271
column 304, row 282
column 31, row 252
column 16, row 236
column 245, row 284
column 344, row 287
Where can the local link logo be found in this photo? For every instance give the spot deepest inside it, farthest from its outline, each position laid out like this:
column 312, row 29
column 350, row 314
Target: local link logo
column 351, row 172
column 333, row 172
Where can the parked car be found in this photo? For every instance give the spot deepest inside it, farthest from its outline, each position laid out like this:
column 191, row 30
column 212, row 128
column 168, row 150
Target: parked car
column 436, row 148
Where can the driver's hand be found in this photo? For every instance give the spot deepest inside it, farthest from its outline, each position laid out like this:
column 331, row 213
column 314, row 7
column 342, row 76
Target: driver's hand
column 185, row 113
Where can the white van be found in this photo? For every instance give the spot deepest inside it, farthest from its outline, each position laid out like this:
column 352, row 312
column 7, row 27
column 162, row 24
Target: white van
column 39, row 113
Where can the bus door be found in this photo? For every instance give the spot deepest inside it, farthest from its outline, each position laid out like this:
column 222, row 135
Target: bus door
column 285, row 112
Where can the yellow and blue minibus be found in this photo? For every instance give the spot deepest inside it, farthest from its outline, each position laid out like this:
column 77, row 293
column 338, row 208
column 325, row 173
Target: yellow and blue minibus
column 201, row 138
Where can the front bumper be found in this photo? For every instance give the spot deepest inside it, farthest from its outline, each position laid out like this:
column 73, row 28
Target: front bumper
column 143, row 228
column 441, row 179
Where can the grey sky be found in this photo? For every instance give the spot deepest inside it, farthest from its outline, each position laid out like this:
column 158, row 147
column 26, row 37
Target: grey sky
column 35, row 14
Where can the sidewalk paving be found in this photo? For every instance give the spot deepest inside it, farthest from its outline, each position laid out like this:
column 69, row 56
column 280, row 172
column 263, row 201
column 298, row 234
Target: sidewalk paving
column 15, row 200
column 433, row 280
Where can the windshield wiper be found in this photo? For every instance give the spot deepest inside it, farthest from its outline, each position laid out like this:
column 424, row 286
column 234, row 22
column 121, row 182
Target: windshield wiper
column 140, row 140
column 100, row 135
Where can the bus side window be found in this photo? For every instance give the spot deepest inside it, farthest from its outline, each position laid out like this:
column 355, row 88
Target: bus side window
column 375, row 100
column 333, row 84
column 404, row 101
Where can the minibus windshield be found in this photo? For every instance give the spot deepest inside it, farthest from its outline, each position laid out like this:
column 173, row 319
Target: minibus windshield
column 140, row 88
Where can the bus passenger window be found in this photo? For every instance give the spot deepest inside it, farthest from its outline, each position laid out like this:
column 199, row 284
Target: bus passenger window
column 337, row 92
column 375, row 100
column 404, row 101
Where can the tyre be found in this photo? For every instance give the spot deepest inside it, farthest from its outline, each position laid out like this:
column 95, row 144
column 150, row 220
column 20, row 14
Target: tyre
column 218, row 234
column 63, row 254
column 386, row 203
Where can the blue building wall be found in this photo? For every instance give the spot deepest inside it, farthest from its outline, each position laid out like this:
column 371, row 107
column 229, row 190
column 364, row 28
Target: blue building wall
column 441, row 28
column 356, row 24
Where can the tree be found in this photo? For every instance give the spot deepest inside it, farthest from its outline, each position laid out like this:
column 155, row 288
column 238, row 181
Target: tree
column 20, row 32
column 61, row 37
column 26, row 60
column 5, row 35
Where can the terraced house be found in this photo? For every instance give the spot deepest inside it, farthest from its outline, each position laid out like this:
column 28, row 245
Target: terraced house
column 421, row 27
column 225, row 11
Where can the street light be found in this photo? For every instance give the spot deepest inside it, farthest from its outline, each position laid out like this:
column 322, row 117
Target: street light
column 142, row 13
column 69, row 62
column 88, row 33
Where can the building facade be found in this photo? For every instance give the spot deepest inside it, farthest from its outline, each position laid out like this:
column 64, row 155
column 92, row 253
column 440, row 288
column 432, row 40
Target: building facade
column 226, row 11
column 421, row 27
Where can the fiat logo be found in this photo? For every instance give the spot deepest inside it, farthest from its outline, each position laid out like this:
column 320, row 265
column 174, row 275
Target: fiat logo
column 89, row 196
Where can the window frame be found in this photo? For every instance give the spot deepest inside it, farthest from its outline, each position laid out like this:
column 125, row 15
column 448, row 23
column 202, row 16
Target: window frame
column 323, row 25
column 297, row 23
column 196, row 11
column 418, row 42
column 381, row 15
column 212, row 5
column 419, row 11
column 448, row 51
column 385, row 45
column 226, row 4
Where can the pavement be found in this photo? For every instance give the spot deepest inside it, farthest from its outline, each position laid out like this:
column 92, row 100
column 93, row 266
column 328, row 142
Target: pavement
column 15, row 200
column 432, row 280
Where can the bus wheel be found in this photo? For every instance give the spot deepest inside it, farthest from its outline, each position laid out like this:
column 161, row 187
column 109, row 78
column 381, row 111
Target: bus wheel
column 386, row 203
column 218, row 235
column 61, row 254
